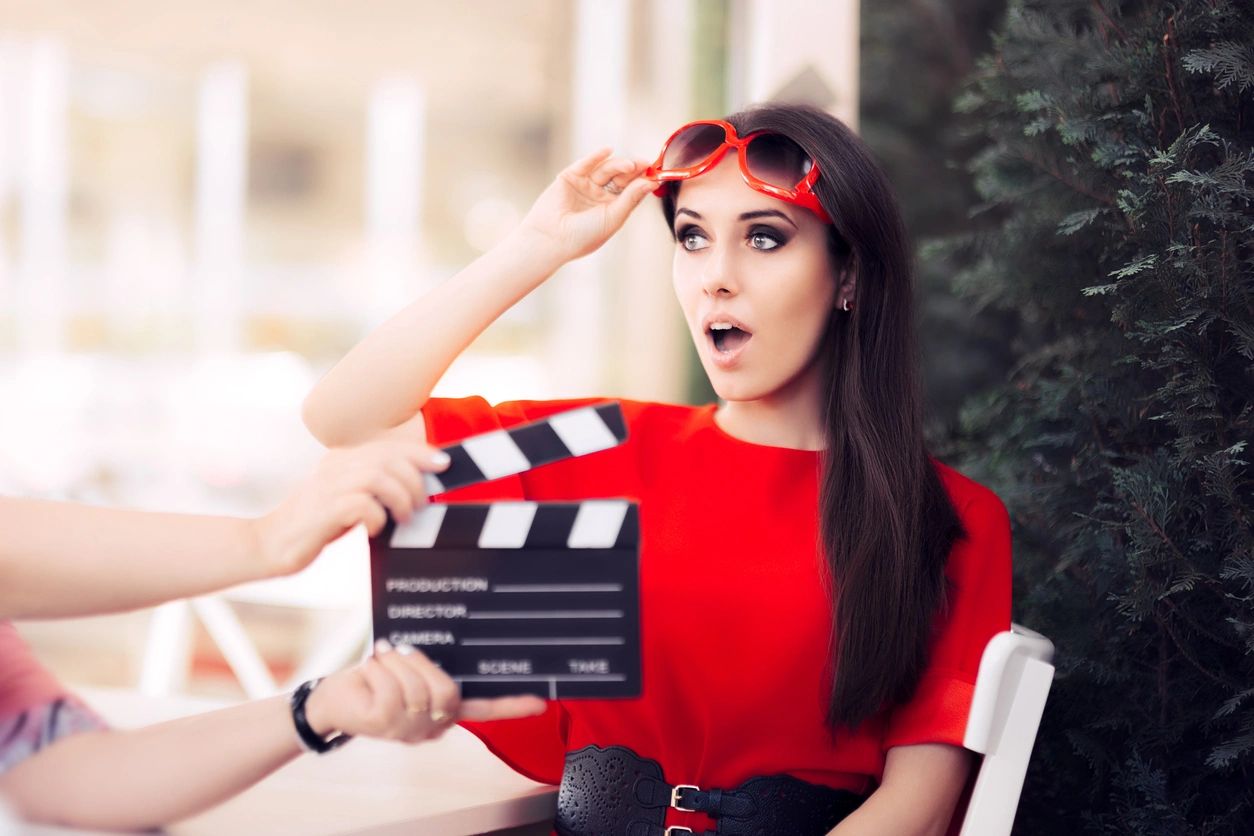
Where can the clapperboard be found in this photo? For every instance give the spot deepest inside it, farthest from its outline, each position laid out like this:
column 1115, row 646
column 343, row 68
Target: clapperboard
column 518, row 597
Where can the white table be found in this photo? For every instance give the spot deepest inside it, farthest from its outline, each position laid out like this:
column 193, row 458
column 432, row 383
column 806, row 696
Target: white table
column 449, row 787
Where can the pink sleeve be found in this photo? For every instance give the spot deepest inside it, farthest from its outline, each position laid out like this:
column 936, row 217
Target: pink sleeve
column 35, row 709
column 24, row 682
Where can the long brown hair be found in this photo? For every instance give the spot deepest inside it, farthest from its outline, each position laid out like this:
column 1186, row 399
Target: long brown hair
column 887, row 524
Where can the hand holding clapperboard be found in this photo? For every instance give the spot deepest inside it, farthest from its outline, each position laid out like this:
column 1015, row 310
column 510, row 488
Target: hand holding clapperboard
column 518, row 597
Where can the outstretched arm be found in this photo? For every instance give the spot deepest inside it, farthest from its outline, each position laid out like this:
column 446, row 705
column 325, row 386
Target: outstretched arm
column 62, row 559
column 389, row 375
column 128, row 780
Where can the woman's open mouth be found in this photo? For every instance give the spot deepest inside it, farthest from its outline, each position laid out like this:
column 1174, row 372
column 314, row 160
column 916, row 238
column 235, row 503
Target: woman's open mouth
column 728, row 341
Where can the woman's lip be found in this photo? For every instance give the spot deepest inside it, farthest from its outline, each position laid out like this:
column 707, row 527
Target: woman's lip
column 726, row 359
column 722, row 317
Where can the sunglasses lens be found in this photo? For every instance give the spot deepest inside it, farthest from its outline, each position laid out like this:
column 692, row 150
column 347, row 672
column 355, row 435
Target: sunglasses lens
column 777, row 160
column 692, row 146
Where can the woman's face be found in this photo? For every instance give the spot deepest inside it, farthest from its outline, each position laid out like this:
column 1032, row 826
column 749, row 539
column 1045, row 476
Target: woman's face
column 760, row 264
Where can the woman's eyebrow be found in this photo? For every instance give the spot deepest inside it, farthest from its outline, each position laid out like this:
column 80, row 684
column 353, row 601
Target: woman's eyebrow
column 767, row 213
column 747, row 216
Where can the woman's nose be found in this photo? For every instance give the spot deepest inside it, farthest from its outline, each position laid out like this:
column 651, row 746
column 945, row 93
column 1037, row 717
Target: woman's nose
column 719, row 273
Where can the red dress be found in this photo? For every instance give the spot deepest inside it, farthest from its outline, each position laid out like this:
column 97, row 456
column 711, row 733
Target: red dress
column 734, row 616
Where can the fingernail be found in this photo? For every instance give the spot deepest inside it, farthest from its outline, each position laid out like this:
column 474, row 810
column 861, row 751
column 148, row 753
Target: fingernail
column 382, row 646
column 405, row 649
column 440, row 458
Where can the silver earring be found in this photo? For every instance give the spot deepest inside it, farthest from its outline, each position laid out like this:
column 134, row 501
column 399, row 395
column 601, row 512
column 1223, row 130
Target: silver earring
column 844, row 306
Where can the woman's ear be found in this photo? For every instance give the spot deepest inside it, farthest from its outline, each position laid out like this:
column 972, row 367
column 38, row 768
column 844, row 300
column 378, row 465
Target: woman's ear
column 846, row 289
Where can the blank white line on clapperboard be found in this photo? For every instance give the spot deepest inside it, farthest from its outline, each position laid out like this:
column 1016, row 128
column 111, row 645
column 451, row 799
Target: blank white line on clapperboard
column 542, row 641
column 539, row 677
column 546, row 641
column 558, row 587
column 552, row 680
column 506, row 527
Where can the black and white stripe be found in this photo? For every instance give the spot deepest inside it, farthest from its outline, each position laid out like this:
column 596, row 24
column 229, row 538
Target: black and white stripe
column 591, row 524
column 500, row 453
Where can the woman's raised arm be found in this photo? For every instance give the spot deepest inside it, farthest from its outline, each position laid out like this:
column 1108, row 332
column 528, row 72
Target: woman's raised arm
column 387, row 377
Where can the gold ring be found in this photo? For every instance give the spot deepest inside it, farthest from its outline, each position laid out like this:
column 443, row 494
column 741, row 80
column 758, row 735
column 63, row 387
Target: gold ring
column 438, row 716
column 410, row 709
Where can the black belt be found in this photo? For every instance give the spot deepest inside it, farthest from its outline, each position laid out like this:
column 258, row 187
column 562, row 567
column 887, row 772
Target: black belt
column 614, row 792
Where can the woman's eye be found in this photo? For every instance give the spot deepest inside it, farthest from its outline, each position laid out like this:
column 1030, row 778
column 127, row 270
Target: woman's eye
column 764, row 240
column 690, row 239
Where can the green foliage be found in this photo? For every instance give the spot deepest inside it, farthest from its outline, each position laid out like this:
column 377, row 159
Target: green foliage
column 1115, row 184
column 1227, row 61
column 916, row 136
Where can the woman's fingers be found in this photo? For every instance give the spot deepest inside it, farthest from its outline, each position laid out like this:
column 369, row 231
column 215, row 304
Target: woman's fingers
column 413, row 686
column 389, row 477
column 417, row 698
column 446, row 695
column 387, row 701
column 624, row 179
column 501, row 708
column 614, row 171
column 406, row 464
column 365, row 510
column 392, row 495
column 422, row 456
column 632, row 194
column 410, row 478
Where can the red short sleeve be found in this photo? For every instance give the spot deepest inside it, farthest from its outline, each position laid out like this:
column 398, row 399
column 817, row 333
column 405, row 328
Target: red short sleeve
column 979, row 608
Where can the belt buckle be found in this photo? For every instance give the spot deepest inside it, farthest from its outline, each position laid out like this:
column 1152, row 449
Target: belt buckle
column 675, row 800
column 676, row 829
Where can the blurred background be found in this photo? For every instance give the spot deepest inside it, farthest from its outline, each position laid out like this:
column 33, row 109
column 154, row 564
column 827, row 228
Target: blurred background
column 203, row 206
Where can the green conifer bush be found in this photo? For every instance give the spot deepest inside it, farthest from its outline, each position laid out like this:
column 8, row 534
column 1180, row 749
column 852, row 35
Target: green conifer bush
column 1115, row 225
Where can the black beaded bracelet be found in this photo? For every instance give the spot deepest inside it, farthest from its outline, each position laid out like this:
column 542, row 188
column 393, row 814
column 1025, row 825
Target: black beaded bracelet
column 308, row 737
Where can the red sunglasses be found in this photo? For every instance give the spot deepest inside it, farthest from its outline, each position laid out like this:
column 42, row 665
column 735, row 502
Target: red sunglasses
column 771, row 163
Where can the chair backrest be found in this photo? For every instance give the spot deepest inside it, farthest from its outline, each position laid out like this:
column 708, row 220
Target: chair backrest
column 339, row 581
column 1010, row 691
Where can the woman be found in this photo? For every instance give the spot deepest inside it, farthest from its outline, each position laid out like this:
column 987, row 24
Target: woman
column 816, row 591
column 58, row 762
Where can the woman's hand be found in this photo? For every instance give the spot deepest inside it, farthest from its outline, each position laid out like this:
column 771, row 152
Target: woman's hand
column 577, row 213
column 349, row 486
column 400, row 694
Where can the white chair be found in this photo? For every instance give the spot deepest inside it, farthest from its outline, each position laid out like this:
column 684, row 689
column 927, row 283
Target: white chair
column 1010, row 691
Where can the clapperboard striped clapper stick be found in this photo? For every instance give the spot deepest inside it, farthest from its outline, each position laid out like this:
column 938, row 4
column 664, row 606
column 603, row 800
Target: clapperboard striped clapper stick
column 519, row 597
